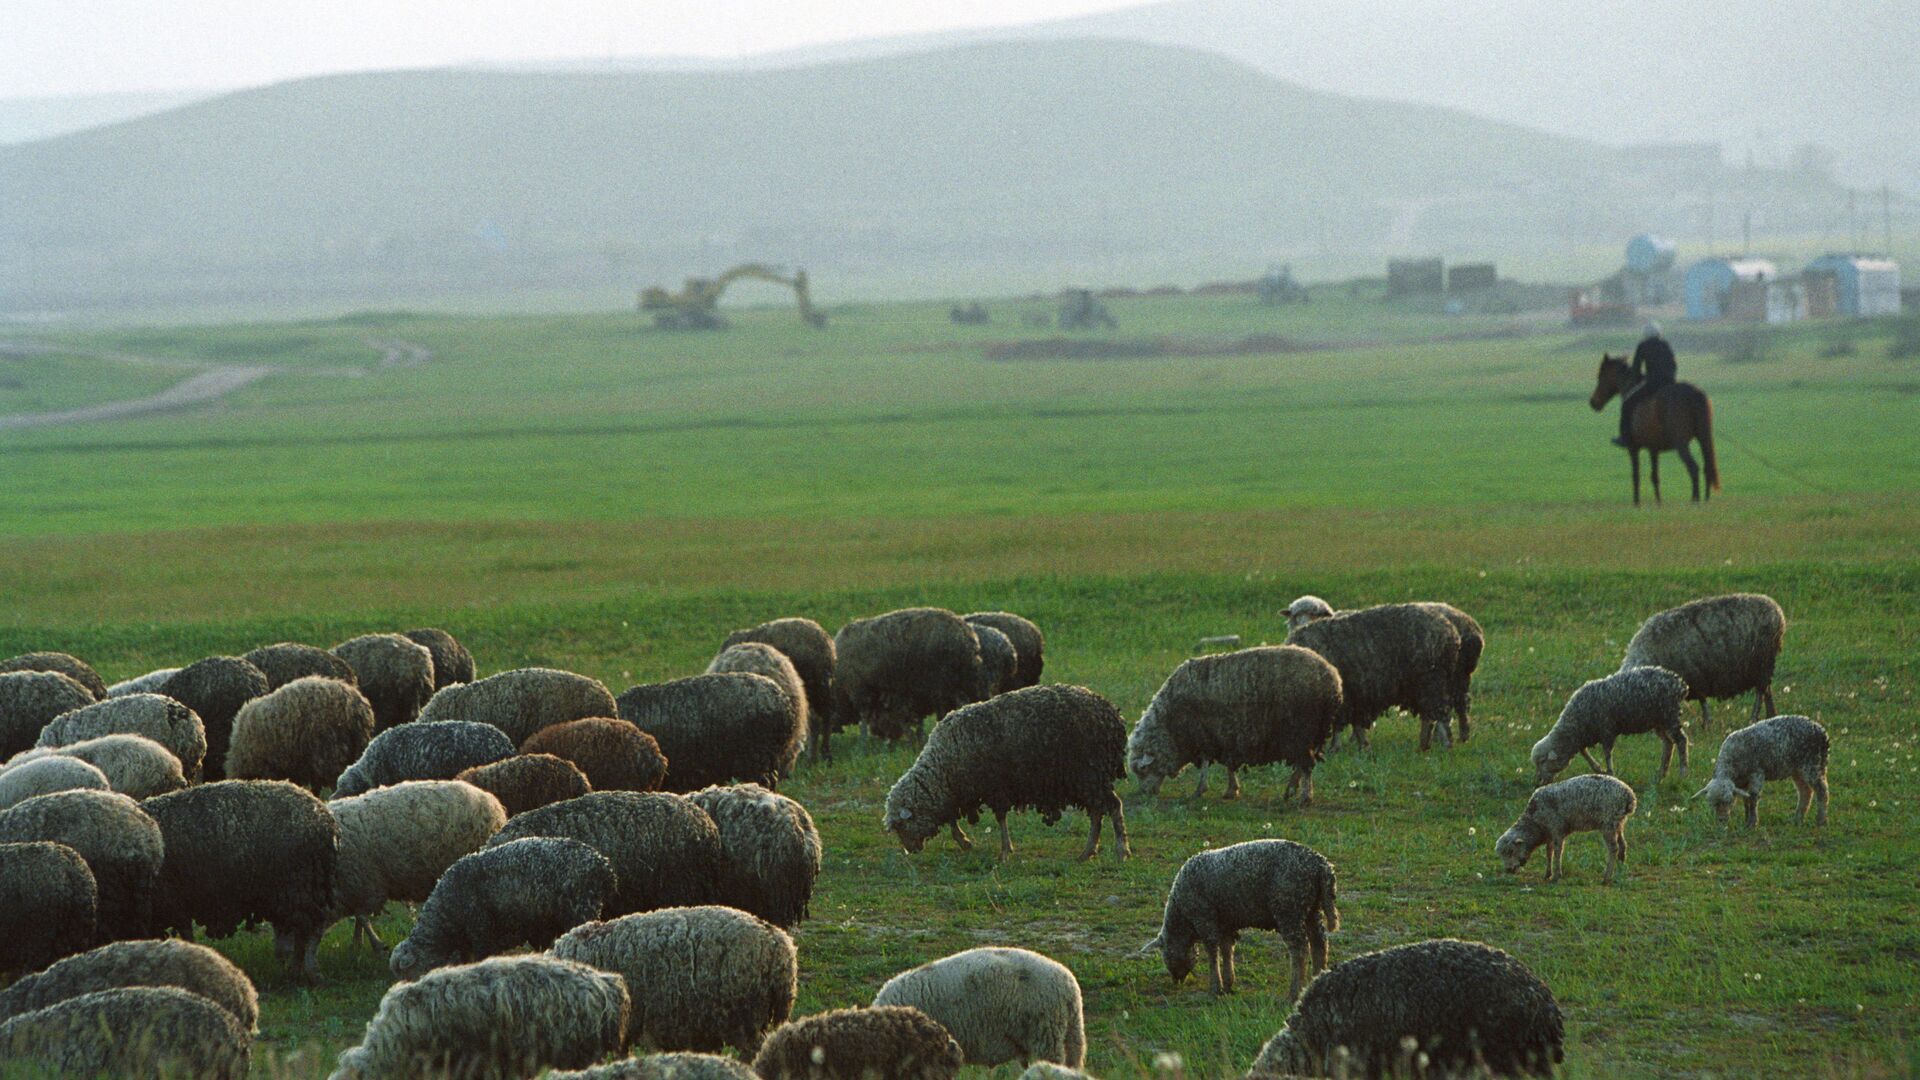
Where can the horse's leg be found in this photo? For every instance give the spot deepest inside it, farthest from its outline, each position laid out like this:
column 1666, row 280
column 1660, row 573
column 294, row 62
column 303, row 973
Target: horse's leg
column 1693, row 468
column 1633, row 455
column 1653, row 463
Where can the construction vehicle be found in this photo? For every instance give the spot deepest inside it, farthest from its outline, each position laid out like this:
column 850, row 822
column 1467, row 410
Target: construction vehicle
column 696, row 306
column 1279, row 287
column 1080, row 311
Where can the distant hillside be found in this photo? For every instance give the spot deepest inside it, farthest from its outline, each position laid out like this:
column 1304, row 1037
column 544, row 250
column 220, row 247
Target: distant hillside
column 28, row 118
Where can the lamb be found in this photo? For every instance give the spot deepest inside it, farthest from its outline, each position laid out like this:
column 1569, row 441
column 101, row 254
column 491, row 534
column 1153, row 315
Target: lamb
column 1627, row 702
column 810, row 648
column 903, row 666
column 1465, row 1006
column 121, row 844
column 247, row 851
column 158, row 1031
column 158, row 717
column 1581, row 804
column 23, row 780
column 999, row 1004
column 1046, row 748
column 134, row 765
column 713, row 976
column 664, row 849
column 524, row 892
column 308, row 731
column 717, row 728
column 664, row 1067
column 423, row 750
column 614, row 755
column 1029, row 644
column 396, row 841
column 29, row 700
column 1395, row 654
column 523, row 701
column 395, row 674
column 1723, row 646
column 452, row 663
column 759, row 658
column 286, row 661
column 215, row 688
column 161, row 962
column 1275, row 703
column 770, row 851
column 1782, row 748
column 66, row 664
column 1259, row 885
column 48, row 908
column 526, row 782
column 149, row 683
column 505, row 1018
column 998, row 662
column 893, row 1041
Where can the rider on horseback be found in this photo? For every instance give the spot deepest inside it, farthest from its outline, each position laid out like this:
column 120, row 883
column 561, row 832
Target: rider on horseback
column 1653, row 361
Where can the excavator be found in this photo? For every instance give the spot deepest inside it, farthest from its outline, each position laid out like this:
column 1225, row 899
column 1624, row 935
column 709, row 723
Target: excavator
column 696, row 306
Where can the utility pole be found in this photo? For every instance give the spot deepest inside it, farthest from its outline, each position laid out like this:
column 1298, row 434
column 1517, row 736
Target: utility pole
column 1886, row 220
column 1746, row 233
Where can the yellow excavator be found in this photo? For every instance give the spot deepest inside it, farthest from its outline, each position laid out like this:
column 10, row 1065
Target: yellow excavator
column 696, row 306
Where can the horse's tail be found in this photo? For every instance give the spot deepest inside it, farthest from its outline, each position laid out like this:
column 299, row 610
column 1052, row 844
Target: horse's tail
column 1704, row 418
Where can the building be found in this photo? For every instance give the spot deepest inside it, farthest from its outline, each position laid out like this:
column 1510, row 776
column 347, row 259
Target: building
column 1469, row 277
column 1416, row 277
column 1728, row 288
column 1861, row 286
column 1649, row 279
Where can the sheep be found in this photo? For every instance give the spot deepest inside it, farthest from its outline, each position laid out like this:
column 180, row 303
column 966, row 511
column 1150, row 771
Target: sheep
column 999, row 662
column 1274, row 703
column 1627, row 702
column 1307, row 609
column 158, row 717
column 308, row 731
column 159, row 962
column 396, row 841
column 1047, row 1070
column 66, row 664
column 1723, row 646
column 893, row 1041
column 524, row 892
column 247, row 851
column 664, row 849
column 49, row 908
column 903, row 666
column 664, row 1067
column 29, row 700
column 149, row 683
column 526, row 782
column 523, row 701
column 134, row 765
column 1395, row 654
column 215, row 688
column 23, row 780
column 1046, row 748
column 157, row 1031
column 999, row 1004
column 395, row 674
column 1259, row 885
column 759, row 658
column 423, row 750
column 452, row 663
column 120, row 842
column 1782, row 748
column 810, row 648
column 1473, row 642
column 717, row 728
column 1460, row 1006
column 770, row 851
column 614, row 755
column 1588, row 803
column 713, row 976
column 504, row 1018
column 286, row 661
column 1029, row 644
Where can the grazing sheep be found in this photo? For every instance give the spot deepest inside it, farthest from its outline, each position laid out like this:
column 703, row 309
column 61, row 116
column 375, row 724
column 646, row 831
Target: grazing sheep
column 158, row 1031
column 526, row 782
column 1782, row 748
column 523, row 701
column 1046, row 748
column 1581, row 804
column 1628, row 702
column 998, row 662
column 664, row 849
column 999, row 1004
column 134, row 765
column 759, row 658
column 308, row 731
column 286, row 661
column 23, row 780
column 769, row 848
column 66, row 664
column 158, row 717
column 808, row 645
column 506, row 1018
column 893, row 1041
column 712, row 976
column 396, row 841
column 1273, row 703
column 48, row 908
column 29, row 700
column 149, row 683
column 122, row 845
column 1464, row 1006
column 452, row 663
column 718, row 728
column 423, row 750
column 1723, row 646
column 1307, row 609
column 394, row 673
column 1395, row 654
column 1029, row 644
column 215, row 689
column 664, row 1067
column 246, row 851
column 903, row 666
column 524, row 892
column 1257, row 885
column 614, row 755
column 159, row 962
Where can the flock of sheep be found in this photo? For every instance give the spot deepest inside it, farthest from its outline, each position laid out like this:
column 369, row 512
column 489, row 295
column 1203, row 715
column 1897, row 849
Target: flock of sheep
column 638, row 846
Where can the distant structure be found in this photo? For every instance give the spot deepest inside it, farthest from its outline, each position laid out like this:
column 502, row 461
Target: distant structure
column 1729, row 288
column 1279, row 287
column 1471, row 277
column 1647, row 280
column 1416, row 277
column 1860, row 286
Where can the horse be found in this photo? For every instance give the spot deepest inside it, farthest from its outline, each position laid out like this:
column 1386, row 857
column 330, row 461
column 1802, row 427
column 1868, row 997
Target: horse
column 1669, row 419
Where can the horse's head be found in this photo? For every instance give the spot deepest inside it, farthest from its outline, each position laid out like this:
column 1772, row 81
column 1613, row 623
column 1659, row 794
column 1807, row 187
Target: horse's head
column 1611, row 380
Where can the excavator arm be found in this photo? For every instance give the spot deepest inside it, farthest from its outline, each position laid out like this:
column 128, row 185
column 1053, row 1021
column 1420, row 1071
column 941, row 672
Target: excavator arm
column 695, row 307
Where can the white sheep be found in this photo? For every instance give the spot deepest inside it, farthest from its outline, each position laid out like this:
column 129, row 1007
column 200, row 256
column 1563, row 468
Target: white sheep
column 1000, row 1004
column 1589, row 803
column 1782, row 748
column 396, row 841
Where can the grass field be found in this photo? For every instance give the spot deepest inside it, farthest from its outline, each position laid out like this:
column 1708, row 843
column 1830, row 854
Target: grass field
column 580, row 493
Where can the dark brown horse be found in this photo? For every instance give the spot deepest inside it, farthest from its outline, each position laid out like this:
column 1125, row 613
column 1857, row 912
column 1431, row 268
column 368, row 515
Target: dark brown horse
column 1668, row 420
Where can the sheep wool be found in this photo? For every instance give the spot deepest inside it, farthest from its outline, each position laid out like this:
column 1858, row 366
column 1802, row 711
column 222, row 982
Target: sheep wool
column 157, row 962
column 999, row 1004
column 396, row 841
column 159, row 1031
column 759, row 658
column 308, row 731
column 423, row 750
column 121, row 844
column 1473, row 642
column 1723, row 646
column 1257, row 885
column 158, row 717
column 614, row 755
column 523, row 701
column 810, row 648
column 664, row 849
column 395, row 674
column 215, row 688
column 524, row 892
column 1029, row 644
column 770, row 851
column 1047, row 1070
column 893, row 1041
column 21, row 779
column 999, row 663
column 903, row 666
column 149, row 683
column 48, row 907
column 718, row 728
column 1582, row 804
column 1629, row 702
column 29, row 700
column 134, row 765
column 1782, row 748
column 1404, row 655
column 286, row 661
column 65, row 663
column 526, row 782
column 664, row 1067
column 452, row 663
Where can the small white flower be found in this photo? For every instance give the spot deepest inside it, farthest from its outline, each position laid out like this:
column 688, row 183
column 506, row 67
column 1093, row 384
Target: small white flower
column 1471, row 831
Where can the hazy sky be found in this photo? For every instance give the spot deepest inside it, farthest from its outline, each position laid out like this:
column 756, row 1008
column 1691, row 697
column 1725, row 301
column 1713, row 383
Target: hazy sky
column 88, row 46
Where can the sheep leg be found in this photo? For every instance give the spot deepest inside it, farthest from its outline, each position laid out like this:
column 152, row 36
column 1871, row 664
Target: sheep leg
column 960, row 837
column 1753, row 807
column 310, row 959
column 1806, row 798
column 1768, row 691
column 1820, row 793
column 1226, row 963
column 1233, row 783
column 1706, row 720
column 1591, row 764
column 1006, row 841
column 1611, row 838
column 1093, row 836
column 1118, row 813
column 1213, row 969
column 1606, row 754
column 1200, row 788
column 1297, row 952
column 363, row 924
